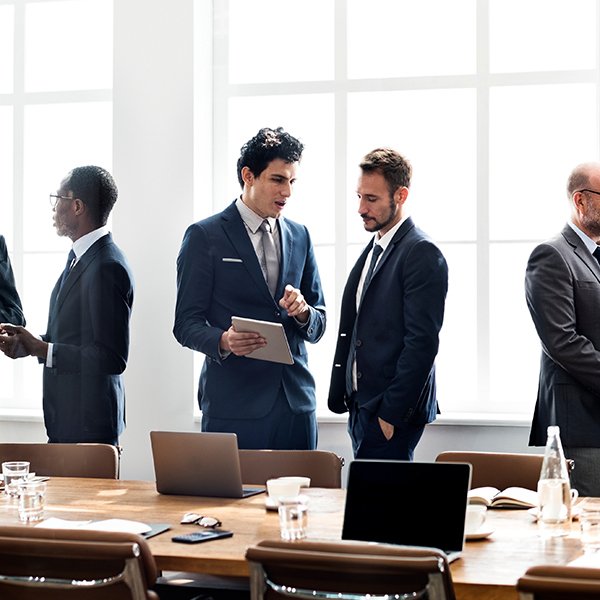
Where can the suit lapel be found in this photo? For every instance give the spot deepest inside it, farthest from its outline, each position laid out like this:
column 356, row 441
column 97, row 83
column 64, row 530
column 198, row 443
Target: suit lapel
column 581, row 251
column 397, row 239
column 234, row 228
column 76, row 272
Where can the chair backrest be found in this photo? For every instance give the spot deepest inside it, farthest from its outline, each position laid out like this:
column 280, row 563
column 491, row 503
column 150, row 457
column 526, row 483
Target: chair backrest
column 500, row 470
column 52, row 564
column 66, row 460
column 323, row 468
column 347, row 569
column 553, row 582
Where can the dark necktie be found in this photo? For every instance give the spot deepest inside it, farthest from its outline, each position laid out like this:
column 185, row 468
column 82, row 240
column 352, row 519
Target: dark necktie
column 271, row 260
column 377, row 250
column 70, row 260
column 596, row 253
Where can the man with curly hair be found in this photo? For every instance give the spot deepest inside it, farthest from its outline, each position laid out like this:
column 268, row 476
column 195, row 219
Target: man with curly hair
column 84, row 350
column 248, row 261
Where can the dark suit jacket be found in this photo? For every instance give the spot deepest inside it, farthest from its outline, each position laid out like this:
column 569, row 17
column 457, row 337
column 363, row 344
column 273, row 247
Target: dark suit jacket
column 398, row 326
column 562, row 286
column 219, row 276
column 10, row 303
column 88, row 324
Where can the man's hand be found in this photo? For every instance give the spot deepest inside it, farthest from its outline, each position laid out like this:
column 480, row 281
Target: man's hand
column 17, row 342
column 386, row 428
column 294, row 303
column 241, row 343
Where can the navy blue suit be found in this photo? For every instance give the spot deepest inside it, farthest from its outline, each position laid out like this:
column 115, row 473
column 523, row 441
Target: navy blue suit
column 397, row 341
column 219, row 276
column 10, row 303
column 88, row 325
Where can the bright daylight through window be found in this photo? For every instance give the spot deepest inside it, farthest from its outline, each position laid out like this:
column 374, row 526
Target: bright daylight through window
column 489, row 99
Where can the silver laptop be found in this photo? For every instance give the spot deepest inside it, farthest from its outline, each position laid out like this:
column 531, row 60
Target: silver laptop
column 408, row 503
column 198, row 464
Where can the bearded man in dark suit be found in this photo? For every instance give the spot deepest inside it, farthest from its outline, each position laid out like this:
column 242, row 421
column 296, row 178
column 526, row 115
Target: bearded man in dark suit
column 562, row 286
column 391, row 315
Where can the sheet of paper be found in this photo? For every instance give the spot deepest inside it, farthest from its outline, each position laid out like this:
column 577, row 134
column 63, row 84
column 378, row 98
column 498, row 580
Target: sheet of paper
column 55, row 523
column 122, row 525
column 589, row 559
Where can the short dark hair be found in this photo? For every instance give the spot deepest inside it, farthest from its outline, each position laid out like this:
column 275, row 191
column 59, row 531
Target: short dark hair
column 97, row 189
column 266, row 146
column 396, row 170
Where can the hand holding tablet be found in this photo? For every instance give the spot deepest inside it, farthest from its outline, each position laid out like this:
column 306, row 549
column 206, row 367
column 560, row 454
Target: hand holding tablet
column 277, row 348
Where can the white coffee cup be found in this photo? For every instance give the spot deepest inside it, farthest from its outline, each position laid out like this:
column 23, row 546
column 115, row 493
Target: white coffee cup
column 475, row 518
column 279, row 488
column 303, row 481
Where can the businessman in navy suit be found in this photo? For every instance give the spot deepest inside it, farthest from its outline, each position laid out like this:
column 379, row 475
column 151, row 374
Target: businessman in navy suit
column 562, row 287
column 249, row 261
column 10, row 303
column 85, row 348
column 392, row 311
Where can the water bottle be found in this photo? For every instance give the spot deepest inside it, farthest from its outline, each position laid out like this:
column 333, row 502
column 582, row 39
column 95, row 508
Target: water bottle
column 554, row 491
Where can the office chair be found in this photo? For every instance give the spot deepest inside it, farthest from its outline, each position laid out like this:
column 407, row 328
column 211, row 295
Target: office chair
column 66, row 460
column 500, row 470
column 82, row 565
column 347, row 570
column 553, row 582
column 323, row 468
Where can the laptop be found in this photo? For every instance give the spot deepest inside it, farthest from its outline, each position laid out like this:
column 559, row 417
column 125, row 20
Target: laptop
column 408, row 503
column 198, row 464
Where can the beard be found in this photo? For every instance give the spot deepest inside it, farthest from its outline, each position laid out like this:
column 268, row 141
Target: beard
column 373, row 225
column 591, row 220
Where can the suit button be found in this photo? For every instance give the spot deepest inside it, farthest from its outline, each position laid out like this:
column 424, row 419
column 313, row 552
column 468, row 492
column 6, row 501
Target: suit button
column 358, row 375
column 358, row 343
column 277, row 313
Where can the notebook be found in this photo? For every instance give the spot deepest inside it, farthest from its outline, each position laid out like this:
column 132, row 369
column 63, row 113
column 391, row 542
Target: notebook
column 198, row 464
column 408, row 503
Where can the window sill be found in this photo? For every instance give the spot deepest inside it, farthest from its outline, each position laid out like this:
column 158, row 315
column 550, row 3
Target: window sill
column 23, row 415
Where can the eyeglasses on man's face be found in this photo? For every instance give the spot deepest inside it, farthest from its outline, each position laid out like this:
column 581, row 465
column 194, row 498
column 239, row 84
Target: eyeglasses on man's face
column 194, row 519
column 590, row 191
column 54, row 198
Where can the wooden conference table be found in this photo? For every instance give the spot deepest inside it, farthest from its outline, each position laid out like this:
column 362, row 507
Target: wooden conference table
column 488, row 568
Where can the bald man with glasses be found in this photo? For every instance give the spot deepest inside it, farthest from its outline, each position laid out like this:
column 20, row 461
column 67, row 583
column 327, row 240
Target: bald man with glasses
column 562, row 286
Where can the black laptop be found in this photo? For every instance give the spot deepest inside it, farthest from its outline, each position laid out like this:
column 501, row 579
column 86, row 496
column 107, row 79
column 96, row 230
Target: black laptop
column 408, row 503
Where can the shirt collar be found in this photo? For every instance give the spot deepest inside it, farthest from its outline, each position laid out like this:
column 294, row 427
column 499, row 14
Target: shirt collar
column 590, row 244
column 85, row 242
column 386, row 238
column 251, row 219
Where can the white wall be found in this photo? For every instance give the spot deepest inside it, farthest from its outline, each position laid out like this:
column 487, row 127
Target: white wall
column 154, row 169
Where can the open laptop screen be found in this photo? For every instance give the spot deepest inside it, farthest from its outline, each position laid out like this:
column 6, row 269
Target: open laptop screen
column 409, row 503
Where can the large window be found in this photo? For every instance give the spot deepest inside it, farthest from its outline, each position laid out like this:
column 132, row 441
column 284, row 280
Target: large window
column 55, row 114
column 493, row 101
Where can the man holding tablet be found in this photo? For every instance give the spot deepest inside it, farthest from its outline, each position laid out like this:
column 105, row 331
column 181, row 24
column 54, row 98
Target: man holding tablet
column 249, row 262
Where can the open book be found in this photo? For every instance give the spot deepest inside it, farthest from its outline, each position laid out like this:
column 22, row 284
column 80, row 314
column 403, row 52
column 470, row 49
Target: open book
column 512, row 497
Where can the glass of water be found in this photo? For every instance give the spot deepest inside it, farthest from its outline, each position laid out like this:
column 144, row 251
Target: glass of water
column 293, row 517
column 31, row 500
column 13, row 472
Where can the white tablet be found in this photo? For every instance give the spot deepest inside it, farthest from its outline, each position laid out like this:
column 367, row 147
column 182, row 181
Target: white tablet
column 277, row 348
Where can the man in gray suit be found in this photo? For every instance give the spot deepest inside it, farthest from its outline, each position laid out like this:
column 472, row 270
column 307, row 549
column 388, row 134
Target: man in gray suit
column 562, row 286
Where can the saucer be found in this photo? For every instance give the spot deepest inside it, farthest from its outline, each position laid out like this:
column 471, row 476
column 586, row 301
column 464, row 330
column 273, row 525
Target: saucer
column 575, row 512
column 480, row 534
column 270, row 505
